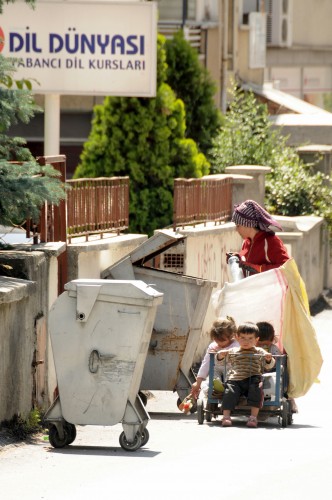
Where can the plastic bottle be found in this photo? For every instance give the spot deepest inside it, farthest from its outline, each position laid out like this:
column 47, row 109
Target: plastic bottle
column 235, row 269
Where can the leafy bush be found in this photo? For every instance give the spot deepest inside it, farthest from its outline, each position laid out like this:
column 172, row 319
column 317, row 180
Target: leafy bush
column 247, row 138
column 21, row 428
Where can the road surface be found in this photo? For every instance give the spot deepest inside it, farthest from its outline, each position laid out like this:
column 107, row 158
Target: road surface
column 185, row 460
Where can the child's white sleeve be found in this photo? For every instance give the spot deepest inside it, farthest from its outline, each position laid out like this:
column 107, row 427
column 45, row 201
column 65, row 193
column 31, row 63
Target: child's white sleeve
column 205, row 366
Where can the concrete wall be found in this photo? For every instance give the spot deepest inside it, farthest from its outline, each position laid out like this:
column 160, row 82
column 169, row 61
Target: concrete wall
column 318, row 154
column 307, row 240
column 300, row 133
column 16, row 345
column 87, row 259
column 311, row 23
column 27, row 371
column 28, row 287
column 23, row 316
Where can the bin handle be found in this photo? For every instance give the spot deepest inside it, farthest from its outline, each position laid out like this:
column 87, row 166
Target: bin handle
column 97, row 360
column 94, row 361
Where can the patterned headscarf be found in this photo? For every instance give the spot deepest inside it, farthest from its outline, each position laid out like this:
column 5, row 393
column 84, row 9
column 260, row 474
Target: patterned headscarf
column 251, row 214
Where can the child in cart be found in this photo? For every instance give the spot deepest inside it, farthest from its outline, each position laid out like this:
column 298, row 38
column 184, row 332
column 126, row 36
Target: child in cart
column 267, row 340
column 247, row 363
column 222, row 335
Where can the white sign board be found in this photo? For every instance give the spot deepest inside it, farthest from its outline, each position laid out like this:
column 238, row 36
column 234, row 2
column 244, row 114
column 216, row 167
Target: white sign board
column 83, row 48
column 257, row 40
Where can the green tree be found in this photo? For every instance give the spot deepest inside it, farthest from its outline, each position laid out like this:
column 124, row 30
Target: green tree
column 24, row 187
column 193, row 84
column 145, row 139
column 248, row 138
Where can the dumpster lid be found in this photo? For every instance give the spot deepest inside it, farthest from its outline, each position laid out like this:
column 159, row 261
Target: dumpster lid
column 88, row 291
column 124, row 288
column 157, row 244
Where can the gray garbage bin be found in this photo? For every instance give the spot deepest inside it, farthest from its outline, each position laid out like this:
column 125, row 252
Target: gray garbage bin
column 100, row 332
column 178, row 325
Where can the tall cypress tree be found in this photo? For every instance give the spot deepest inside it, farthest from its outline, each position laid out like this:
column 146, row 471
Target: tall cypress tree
column 194, row 85
column 144, row 138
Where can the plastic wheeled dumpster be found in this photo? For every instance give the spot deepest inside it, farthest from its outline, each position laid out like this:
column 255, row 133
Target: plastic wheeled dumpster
column 178, row 325
column 100, row 332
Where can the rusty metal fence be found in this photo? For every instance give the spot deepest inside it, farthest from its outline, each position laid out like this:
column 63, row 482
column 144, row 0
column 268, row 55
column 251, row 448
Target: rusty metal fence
column 100, row 205
column 92, row 206
column 97, row 205
column 201, row 200
column 53, row 224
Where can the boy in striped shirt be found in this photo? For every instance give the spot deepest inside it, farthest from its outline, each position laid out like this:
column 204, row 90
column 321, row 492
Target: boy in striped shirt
column 247, row 363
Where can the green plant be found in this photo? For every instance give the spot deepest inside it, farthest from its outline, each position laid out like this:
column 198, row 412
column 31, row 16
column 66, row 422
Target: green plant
column 24, row 185
column 21, row 427
column 194, row 85
column 145, row 139
column 248, row 138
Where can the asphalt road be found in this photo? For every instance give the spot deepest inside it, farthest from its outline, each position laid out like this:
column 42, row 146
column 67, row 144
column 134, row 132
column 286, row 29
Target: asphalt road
column 185, row 460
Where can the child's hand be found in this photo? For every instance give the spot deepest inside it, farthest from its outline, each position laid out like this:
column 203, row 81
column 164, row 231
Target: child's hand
column 195, row 388
column 221, row 354
column 268, row 358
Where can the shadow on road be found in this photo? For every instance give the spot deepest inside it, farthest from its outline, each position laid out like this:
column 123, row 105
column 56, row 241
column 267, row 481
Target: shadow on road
column 106, row 451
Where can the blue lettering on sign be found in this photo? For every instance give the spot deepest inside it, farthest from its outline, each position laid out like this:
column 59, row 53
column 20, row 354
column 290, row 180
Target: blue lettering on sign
column 77, row 63
column 29, row 62
column 29, row 42
column 75, row 43
column 56, row 43
column 116, row 64
column 117, row 43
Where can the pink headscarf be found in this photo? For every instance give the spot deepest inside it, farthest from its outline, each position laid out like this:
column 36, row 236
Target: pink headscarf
column 251, row 214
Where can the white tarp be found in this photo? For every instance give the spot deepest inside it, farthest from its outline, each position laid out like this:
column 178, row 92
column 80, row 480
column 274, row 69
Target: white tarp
column 279, row 297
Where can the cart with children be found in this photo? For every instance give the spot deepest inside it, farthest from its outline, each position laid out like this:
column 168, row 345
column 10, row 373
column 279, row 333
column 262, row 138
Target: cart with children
column 277, row 298
column 274, row 400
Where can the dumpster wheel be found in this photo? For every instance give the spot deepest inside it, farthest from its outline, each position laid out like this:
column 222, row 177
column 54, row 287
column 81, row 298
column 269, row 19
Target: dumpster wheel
column 126, row 445
column 71, row 431
column 55, row 439
column 145, row 437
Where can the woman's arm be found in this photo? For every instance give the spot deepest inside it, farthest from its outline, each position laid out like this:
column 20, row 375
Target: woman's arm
column 267, row 252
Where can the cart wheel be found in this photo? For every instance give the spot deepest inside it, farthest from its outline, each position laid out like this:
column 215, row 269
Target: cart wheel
column 71, row 431
column 200, row 411
column 54, row 437
column 289, row 413
column 126, row 445
column 145, row 437
column 210, row 407
column 284, row 412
